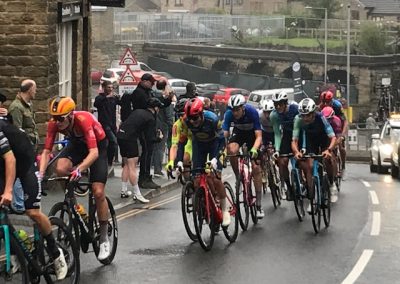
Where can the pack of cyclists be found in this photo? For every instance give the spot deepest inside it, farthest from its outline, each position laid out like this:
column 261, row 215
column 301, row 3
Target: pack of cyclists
column 198, row 137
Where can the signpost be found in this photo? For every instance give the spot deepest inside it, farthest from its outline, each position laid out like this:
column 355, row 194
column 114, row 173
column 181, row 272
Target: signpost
column 297, row 83
column 127, row 83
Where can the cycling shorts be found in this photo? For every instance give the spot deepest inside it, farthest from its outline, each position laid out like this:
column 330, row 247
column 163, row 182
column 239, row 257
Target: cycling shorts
column 315, row 145
column 77, row 151
column 241, row 137
column 128, row 148
column 286, row 143
column 268, row 138
column 30, row 185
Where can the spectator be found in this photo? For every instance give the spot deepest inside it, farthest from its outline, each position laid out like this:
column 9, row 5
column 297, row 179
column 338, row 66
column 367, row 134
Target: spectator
column 140, row 123
column 138, row 100
column 165, row 120
column 23, row 117
column 371, row 122
column 106, row 104
column 191, row 91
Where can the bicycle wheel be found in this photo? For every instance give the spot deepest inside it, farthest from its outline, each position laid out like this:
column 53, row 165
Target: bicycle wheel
column 19, row 272
column 187, row 197
column 275, row 192
column 61, row 210
column 297, row 197
column 242, row 205
column 204, row 220
column 112, row 234
column 316, row 206
column 338, row 178
column 231, row 232
column 66, row 242
column 326, row 200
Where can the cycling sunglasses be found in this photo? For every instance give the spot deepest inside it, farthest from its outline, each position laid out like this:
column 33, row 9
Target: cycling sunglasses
column 278, row 104
column 194, row 118
column 310, row 114
column 60, row 118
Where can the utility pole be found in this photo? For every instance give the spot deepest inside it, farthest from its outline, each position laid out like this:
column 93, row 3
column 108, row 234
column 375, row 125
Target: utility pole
column 231, row 7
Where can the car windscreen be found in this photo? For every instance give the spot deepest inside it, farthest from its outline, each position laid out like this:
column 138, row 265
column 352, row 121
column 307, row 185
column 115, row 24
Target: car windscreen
column 120, row 73
column 108, row 74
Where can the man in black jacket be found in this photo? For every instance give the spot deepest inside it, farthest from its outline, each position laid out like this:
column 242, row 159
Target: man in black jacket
column 106, row 104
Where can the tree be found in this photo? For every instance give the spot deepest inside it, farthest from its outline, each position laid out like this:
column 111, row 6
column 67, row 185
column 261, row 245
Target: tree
column 372, row 39
column 332, row 6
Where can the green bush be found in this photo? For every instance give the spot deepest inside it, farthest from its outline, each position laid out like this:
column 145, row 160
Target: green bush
column 372, row 39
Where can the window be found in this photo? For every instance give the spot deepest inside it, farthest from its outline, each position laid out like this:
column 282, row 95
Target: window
column 178, row 3
column 64, row 59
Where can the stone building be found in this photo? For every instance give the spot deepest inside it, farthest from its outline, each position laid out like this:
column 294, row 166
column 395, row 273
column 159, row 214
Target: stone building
column 47, row 41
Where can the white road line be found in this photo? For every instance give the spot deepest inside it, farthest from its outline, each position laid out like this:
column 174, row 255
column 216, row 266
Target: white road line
column 374, row 197
column 359, row 267
column 376, row 223
column 366, row 183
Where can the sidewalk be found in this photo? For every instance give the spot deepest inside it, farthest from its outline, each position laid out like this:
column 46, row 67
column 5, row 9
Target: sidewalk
column 113, row 191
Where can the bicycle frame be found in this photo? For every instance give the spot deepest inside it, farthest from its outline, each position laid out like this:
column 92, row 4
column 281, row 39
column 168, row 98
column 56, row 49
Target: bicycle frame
column 209, row 199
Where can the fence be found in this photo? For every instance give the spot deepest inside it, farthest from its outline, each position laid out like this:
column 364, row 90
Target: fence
column 359, row 138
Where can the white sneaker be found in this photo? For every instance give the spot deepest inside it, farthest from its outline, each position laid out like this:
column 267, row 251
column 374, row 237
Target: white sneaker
column 104, row 251
column 140, row 198
column 260, row 213
column 226, row 219
column 125, row 193
column 60, row 266
column 309, row 208
column 15, row 266
column 334, row 192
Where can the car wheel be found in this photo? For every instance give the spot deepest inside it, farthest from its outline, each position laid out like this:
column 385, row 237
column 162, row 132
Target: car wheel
column 372, row 167
column 394, row 171
column 381, row 169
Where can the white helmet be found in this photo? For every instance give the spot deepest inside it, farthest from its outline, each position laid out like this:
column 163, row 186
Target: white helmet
column 281, row 96
column 267, row 105
column 307, row 106
column 236, row 101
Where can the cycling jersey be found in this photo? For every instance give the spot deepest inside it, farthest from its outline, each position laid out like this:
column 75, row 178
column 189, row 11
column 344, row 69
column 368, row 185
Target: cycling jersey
column 181, row 137
column 86, row 129
column 285, row 122
column 337, row 107
column 208, row 130
column 336, row 124
column 266, row 124
column 250, row 120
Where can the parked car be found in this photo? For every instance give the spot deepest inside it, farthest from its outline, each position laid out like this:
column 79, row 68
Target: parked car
column 382, row 154
column 258, row 96
column 140, row 66
column 222, row 96
column 112, row 75
column 209, row 89
column 178, row 85
column 95, row 75
column 164, row 74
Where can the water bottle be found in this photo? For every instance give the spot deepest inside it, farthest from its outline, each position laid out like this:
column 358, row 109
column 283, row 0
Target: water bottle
column 81, row 211
column 23, row 235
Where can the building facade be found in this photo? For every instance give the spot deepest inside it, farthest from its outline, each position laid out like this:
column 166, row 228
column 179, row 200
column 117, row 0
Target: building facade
column 47, row 41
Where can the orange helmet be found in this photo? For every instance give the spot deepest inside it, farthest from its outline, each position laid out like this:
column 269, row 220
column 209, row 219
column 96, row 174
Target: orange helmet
column 61, row 106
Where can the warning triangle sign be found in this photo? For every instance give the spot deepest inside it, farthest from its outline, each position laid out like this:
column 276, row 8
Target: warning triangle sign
column 127, row 77
column 128, row 58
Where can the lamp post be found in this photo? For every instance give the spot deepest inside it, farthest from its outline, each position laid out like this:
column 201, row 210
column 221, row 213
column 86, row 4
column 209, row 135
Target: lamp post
column 326, row 40
column 348, row 55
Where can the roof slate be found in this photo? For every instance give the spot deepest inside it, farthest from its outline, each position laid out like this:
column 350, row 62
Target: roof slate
column 383, row 6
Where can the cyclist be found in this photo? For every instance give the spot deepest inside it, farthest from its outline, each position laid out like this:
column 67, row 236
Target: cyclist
column 246, row 130
column 267, row 106
column 18, row 161
column 87, row 149
column 327, row 99
column 206, row 142
column 313, row 134
column 282, row 119
column 181, row 141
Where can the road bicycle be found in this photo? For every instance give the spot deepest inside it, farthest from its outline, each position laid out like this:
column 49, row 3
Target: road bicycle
column 85, row 229
column 319, row 195
column 338, row 178
column 270, row 175
column 27, row 260
column 207, row 212
column 245, row 192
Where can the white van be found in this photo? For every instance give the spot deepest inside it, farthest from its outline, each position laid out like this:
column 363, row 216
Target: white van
column 258, row 96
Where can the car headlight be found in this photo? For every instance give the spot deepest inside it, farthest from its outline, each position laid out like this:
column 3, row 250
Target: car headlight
column 387, row 149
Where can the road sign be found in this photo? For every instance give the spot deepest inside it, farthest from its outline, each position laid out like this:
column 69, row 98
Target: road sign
column 352, row 136
column 128, row 58
column 127, row 77
column 122, row 89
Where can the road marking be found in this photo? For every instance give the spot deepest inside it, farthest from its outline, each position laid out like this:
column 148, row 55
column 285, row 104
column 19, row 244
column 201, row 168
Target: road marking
column 366, row 183
column 359, row 267
column 376, row 223
column 374, row 197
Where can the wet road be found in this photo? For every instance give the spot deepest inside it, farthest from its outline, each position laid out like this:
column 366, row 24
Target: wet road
column 360, row 245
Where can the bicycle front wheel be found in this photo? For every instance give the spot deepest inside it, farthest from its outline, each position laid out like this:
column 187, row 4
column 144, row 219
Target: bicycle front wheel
column 251, row 195
column 316, row 206
column 187, row 197
column 112, row 234
column 19, row 272
column 231, row 232
column 204, row 220
column 242, row 205
column 297, row 197
column 275, row 192
column 326, row 200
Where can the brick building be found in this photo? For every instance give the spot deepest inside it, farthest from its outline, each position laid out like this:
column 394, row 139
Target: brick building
column 47, row 41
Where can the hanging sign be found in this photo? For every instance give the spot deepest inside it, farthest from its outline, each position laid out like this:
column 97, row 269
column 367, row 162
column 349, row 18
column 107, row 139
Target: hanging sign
column 128, row 58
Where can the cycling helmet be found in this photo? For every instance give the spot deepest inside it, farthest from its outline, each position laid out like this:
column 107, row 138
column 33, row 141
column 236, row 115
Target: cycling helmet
column 194, row 107
column 180, row 107
column 281, row 96
column 328, row 112
column 326, row 96
column 307, row 106
column 61, row 106
column 267, row 105
column 236, row 101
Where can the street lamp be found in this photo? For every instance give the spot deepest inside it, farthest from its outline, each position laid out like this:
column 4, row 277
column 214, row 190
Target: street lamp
column 326, row 40
column 348, row 55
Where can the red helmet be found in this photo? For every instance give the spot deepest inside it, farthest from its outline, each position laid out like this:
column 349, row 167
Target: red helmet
column 328, row 112
column 326, row 96
column 194, row 107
